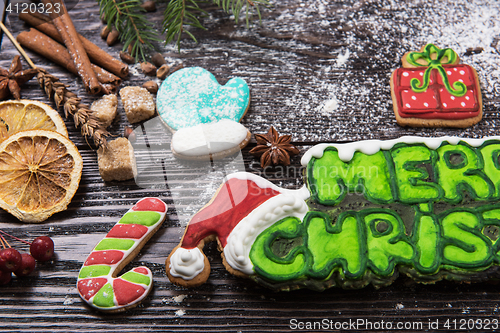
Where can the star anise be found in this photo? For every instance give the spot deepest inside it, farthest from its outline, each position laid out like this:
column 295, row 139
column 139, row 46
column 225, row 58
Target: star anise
column 12, row 79
column 274, row 149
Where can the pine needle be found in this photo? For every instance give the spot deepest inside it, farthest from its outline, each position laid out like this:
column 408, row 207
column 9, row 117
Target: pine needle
column 180, row 14
column 235, row 7
column 129, row 18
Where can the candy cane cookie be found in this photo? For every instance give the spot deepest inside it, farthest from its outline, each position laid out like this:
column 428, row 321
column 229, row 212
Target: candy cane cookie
column 98, row 283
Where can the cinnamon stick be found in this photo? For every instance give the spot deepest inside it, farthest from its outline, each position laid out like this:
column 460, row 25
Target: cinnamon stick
column 68, row 33
column 57, row 53
column 97, row 55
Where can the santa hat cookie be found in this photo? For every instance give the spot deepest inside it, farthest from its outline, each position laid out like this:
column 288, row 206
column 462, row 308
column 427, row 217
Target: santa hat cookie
column 203, row 115
column 243, row 207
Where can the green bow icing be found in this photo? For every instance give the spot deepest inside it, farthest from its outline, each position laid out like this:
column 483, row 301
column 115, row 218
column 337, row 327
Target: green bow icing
column 459, row 89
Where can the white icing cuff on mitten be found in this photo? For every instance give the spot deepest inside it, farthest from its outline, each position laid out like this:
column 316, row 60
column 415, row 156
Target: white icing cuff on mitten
column 209, row 138
column 187, row 263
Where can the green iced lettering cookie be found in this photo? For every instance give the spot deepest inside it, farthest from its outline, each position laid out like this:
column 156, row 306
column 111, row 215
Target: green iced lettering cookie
column 412, row 176
column 426, row 238
column 386, row 241
column 491, row 158
column 330, row 179
column 460, row 171
column 464, row 244
column 323, row 241
column 428, row 208
column 291, row 264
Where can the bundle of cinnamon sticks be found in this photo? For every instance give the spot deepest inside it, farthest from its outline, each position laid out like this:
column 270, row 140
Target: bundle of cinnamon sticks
column 56, row 39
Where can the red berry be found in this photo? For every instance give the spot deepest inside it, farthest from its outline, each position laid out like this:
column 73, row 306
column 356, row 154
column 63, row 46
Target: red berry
column 10, row 260
column 27, row 265
column 42, row 248
column 5, row 277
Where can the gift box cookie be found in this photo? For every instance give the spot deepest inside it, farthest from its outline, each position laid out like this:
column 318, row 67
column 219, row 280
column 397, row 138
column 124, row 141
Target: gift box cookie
column 433, row 90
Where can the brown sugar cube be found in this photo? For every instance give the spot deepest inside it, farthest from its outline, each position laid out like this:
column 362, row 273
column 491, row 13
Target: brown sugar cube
column 117, row 160
column 138, row 103
column 105, row 109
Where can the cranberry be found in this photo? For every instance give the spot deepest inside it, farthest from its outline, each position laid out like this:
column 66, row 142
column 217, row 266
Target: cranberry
column 10, row 259
column 27, row 265
column 42, row 248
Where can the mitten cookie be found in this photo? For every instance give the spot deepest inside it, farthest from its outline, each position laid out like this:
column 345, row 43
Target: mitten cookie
column 203, row 115
column 434, row 90
column 97, row 281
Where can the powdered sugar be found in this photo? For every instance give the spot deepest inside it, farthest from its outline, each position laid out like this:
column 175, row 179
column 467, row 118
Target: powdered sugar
column 320, row 70
column 354, row 47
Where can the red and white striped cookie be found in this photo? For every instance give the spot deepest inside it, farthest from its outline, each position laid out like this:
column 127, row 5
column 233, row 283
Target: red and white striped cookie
column 98, row 283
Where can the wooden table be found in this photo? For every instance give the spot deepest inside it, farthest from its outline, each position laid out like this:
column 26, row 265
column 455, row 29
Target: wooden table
column 305, row 54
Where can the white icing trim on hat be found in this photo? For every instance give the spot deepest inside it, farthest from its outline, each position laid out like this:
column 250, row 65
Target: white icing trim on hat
column 211, row 138
column 242, row 237
column 369, row 147
column 187, row 263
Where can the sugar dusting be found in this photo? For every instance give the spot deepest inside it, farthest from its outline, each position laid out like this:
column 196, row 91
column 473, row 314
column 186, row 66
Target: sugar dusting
column 179, row 298
column 180, row 313
column 325, row 78
column 352, row 38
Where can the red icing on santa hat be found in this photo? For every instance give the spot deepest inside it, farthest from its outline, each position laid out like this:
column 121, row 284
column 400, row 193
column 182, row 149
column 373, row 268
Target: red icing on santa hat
column 234, row 201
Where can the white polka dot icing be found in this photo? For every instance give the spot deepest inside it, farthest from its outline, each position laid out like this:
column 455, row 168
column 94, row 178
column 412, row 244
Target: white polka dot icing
column 192, row 96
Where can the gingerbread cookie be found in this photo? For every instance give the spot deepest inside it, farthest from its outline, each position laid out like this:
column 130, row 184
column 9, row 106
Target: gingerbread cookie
column 203, row 115
column 433, row 90
column 97, row 281
column 428, row 208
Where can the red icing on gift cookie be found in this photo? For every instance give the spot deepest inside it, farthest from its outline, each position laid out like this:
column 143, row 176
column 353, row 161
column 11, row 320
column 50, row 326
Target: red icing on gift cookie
column 436, row 101
column 434, row 90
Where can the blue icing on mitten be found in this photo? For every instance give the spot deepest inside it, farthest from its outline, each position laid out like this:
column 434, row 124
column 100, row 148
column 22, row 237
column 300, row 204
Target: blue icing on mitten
column 192, row 96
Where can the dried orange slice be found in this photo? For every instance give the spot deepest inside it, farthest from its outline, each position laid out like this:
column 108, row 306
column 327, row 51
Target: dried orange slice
column 39, row 173
column 21, row 115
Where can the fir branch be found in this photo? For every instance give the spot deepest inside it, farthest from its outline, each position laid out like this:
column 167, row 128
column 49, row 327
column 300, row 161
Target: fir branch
column 235, row 7
column 181, row 13
column 128, row 17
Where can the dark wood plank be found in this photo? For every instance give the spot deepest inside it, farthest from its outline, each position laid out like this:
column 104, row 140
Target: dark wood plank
column 294, row 63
